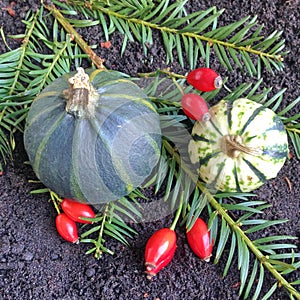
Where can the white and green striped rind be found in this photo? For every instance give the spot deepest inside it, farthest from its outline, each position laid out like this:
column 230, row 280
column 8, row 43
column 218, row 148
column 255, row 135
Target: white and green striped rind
column 260, row 129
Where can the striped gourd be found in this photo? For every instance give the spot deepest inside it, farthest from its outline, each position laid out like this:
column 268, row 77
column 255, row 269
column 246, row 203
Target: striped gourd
column 242, row 146
column 92, row 137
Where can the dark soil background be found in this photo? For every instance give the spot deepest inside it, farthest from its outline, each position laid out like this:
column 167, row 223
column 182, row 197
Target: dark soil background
column 35, row 263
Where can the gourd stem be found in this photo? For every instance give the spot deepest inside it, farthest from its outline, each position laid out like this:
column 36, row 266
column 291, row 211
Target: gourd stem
column 81, row 96
column 232, row 146
column 235, row 227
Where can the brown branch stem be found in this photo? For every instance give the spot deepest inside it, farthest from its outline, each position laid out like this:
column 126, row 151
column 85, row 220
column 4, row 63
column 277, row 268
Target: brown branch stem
column 98, row 61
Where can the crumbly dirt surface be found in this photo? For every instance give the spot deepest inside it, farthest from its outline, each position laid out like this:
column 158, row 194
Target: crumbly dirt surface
column 35, row 263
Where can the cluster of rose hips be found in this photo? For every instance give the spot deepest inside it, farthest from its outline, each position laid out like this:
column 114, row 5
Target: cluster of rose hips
column 161, row 246
column 73, row 212
column 204, row 80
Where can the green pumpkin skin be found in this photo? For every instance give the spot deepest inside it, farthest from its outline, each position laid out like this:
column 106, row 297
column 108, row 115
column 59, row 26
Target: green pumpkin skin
column 263, row 139
column 100, row 156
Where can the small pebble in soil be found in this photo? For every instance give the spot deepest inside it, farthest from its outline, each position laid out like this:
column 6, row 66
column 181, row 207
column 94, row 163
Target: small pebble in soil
column 90, row 272
column 54, row 256
column 17, row 249
column 28, row 256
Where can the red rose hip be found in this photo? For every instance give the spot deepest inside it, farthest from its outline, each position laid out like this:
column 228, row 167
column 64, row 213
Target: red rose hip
column 66, row 228
column 204, row 79
column 199, row 240
column 195, row 107
column 159, row 251
column 76, row 210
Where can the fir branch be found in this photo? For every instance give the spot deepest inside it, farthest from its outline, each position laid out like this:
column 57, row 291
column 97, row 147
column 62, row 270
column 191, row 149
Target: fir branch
column 110, row 221
column 191, row 34
column 76, row 37
column 243, row 241
column 292, row 125
column 99, row 247
column 11, row 63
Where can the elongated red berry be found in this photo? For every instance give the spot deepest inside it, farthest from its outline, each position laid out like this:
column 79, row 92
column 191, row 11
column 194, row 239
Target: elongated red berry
column 159, row 251
column 161, row 264
column 195, row 107
column 204, row 79
column 66, row 228
column 76, row 210
column 199, row 240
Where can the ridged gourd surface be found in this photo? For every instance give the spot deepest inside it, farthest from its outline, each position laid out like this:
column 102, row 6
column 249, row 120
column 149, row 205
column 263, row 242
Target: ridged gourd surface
column 260, row 130
column 97, row 159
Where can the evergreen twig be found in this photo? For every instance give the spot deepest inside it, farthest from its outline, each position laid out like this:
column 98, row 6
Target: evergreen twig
column 235, row 227
column 76, row 37
column 189, row 33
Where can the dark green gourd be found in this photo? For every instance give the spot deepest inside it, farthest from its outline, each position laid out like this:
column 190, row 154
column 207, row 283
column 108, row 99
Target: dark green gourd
column 242, row 146
column 92, row 137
